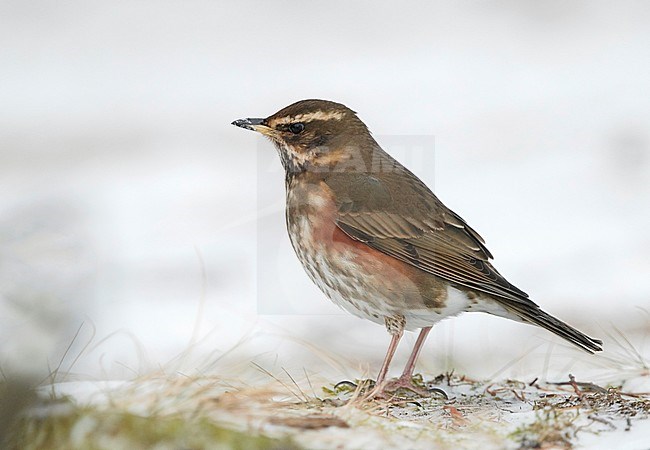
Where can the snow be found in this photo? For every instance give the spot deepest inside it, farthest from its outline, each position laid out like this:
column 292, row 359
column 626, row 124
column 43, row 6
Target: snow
column 502, row 414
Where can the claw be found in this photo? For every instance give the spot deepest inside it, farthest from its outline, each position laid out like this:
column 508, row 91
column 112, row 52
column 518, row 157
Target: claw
column 345, row 383
column 439, row 391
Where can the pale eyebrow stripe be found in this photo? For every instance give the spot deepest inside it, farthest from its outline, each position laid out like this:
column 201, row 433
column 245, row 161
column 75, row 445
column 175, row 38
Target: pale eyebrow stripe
column 308, row 117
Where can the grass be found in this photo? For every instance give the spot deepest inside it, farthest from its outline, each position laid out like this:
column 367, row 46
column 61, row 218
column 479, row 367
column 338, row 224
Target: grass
column 91, row 428
column 286, row 413
column 274, row 408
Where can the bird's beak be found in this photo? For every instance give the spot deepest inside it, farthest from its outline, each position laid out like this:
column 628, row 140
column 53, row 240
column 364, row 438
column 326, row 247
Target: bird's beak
column 249, row 124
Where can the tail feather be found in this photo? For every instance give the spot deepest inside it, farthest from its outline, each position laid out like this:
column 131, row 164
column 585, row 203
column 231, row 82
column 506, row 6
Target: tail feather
column 538, row 317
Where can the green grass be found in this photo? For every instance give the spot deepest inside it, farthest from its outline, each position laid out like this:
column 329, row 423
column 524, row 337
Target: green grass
column 89, row 429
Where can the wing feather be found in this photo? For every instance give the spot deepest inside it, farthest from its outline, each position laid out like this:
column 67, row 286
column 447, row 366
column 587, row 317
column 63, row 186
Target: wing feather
column 392, row 211
column 396, row 214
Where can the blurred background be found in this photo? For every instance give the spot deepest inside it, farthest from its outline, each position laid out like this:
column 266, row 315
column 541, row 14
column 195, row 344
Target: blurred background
column 139, row 230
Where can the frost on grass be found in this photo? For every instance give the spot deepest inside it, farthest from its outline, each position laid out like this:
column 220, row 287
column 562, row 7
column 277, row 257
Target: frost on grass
column 210, row 412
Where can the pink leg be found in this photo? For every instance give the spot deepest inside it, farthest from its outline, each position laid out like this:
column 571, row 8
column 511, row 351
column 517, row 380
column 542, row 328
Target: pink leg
column 378, row 390
column 405, row 381
column 410, row 364
column 395, row 338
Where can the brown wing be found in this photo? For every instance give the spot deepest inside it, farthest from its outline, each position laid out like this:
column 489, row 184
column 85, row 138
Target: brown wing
column 392, row 211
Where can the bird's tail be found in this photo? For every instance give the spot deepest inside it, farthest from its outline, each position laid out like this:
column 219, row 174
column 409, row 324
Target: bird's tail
column 538, row 317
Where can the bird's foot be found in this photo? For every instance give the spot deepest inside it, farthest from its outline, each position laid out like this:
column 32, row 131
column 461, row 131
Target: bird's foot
column 393, row 388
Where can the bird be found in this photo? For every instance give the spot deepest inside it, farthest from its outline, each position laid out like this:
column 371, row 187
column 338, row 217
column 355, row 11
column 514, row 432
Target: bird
column 378, row 242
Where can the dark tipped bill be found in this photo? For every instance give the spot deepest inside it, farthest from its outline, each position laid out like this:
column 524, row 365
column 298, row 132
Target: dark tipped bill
column 249, row 124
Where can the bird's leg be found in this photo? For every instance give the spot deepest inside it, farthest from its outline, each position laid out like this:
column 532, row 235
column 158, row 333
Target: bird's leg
column 405, row 381
column 407, row 375
column 395, row 326
column 395, row 338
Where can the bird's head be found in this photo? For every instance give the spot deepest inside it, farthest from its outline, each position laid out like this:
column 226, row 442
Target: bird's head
column 315, row 135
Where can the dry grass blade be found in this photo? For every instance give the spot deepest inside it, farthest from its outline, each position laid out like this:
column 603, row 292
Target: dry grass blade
column 285, row 385
column 52, row 376
column 305, row 398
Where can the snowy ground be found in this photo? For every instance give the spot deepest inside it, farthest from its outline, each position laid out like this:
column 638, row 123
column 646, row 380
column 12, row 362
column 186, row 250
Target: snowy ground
column 136, row 223
column 289, row 411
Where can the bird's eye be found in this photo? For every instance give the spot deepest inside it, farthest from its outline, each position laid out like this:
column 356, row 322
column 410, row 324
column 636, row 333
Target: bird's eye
column 296, row 128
